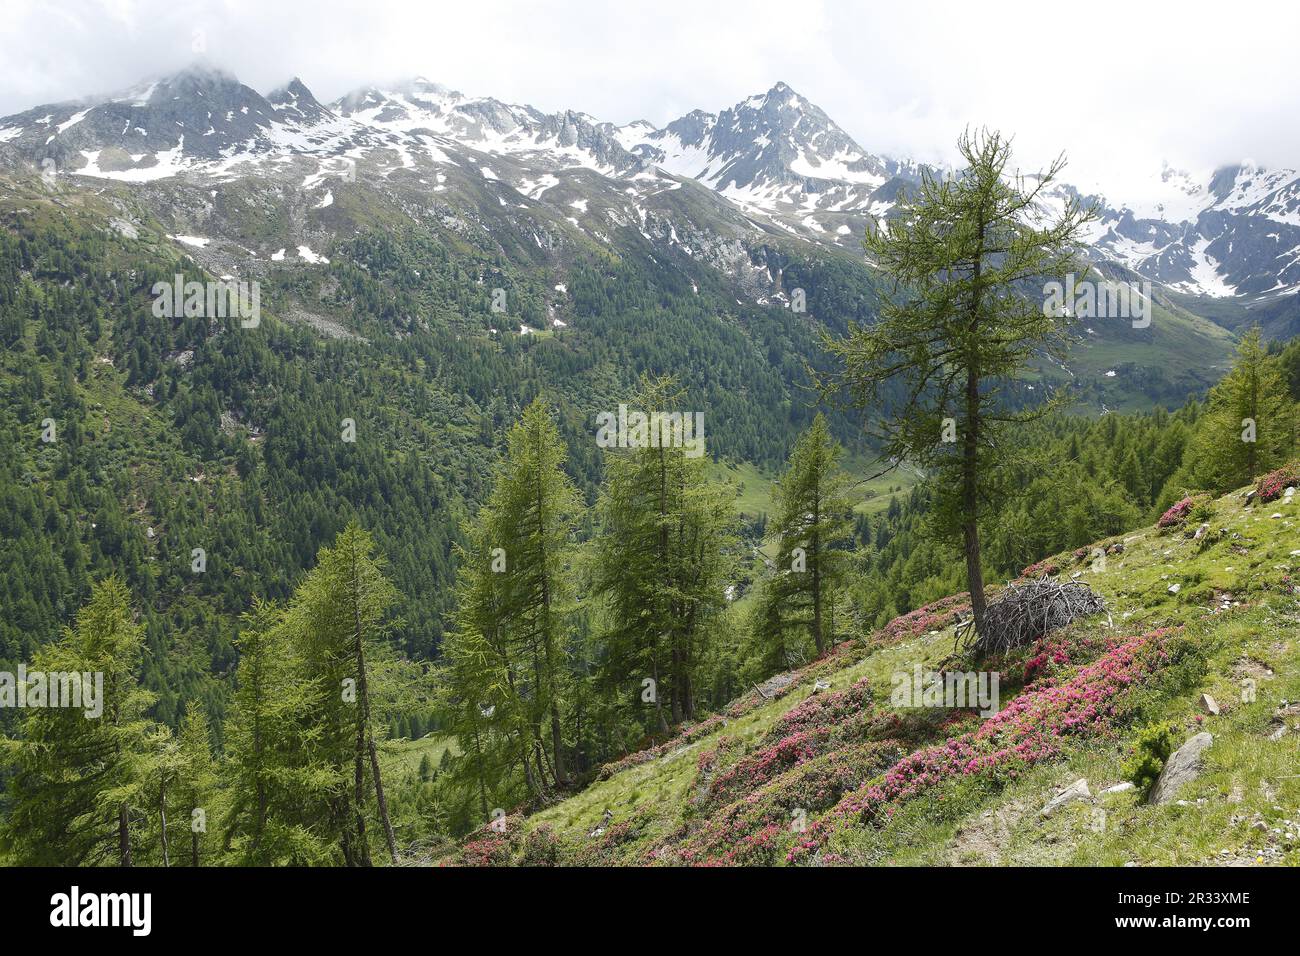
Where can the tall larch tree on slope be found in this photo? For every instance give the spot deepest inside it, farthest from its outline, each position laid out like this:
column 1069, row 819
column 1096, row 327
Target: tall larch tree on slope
column 273, row 775
column 968, row 257
column 339, row 618
column 197, row 783
column 660, row 562
column 506, row 673
column 812, row 523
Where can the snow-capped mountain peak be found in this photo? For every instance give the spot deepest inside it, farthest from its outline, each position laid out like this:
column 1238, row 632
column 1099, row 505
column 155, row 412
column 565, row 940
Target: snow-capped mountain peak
column 779, row 161
column 1231, row 231
column 488, row 125
column 771, row 150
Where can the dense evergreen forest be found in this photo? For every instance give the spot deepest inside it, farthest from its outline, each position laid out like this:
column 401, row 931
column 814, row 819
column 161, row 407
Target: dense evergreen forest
column 289, row 553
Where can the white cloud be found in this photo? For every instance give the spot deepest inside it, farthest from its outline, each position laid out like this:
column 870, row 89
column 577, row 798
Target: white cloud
column 1120, row 86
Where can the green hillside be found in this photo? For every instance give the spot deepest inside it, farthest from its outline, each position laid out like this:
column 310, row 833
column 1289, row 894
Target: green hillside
column 837, row 775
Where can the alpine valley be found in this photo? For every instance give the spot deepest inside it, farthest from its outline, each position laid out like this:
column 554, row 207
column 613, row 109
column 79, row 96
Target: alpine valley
column 440, row 293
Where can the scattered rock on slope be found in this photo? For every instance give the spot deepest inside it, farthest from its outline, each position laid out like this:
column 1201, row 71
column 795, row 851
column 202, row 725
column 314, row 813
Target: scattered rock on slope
column 774, row 685
column 1075, row 791
column 1183, row 766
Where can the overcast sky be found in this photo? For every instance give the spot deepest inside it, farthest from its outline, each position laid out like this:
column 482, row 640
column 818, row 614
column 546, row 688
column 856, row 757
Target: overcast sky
column 1120, row 86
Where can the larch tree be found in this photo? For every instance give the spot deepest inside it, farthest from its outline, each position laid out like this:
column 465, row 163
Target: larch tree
column 660, row 560
column 540, row 505
column 338, row 617
column 967, row 257
column 482, row 697
column 196, row 778
column 506, row 661
column 80, row 778
column 275, row 782
column 164, row 767
column 812, row 525
column 1249, row 425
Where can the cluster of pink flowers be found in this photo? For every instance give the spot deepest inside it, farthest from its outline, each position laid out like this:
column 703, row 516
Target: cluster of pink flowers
column 541, row 847
column 841, row 656
column 1053, row 653
column 821, row 723
column 757, row 769
column 485, row 852
column 687, row 736
column 1176, row 515
column 1030, row 729
column 1046, row 566
column 825, row 710
column 755, row 848
column 489, row 845
column 934, row 616
column 1046, row 656
column 757, row 827
column 1273, row 484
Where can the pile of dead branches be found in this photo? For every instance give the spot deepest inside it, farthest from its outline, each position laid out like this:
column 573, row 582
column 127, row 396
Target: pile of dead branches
column 1026, row 611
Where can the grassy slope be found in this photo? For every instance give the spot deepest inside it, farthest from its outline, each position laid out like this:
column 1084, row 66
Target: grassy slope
column 753, row 489
column 1115, row 366
column 753, row 486
column 1249, row 780
column 405, row 755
